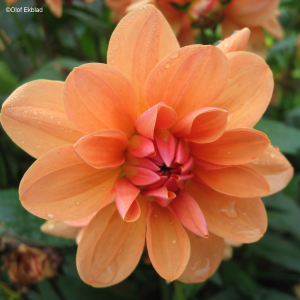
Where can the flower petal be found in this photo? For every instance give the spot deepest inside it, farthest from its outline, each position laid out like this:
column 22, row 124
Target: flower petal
column 139, row 175
column 203, row 125
column 188, row 79
column 236, row 181
column 241, row 220
column 166, row 145
column 141, row 146
column 167, row 242
column 97, row 96
column 104, row 149
column 275, row 168
column 159, row 116
column 251, row 12
column 81, row 222
column 206, row 256
column 249, row 89
column 141, row 39
column 110, row 248
column 161, row 195
column 34, row 117
column 189, row 213
column 141, row 162
column 182, row 153
column 237, row 41
column 55, row 6
column 127, row 205
column 234, row 147
column 60, row 229
column 60, row 186
column 273, row 27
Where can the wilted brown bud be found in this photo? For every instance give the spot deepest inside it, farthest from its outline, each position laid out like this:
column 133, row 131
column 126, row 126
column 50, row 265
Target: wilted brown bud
column 28, row 265
column 205, row 13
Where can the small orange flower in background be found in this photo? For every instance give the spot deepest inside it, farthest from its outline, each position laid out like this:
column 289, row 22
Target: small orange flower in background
column 163, row 133
column 181, row 14
column 55, row 6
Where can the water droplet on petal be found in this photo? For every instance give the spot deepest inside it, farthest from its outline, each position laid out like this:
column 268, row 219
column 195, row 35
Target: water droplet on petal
column 22, row 142
column 121, row 249
column 51, row 226
column 77, row 203
column 50, row 216
column 103, row 189
column 109, row 273
column 226, row 44
column 167, row 66
column 35, row 113
column 272, row 155
column 174, row 242
column 51, row 117
column 228, row 210
column 26, row 111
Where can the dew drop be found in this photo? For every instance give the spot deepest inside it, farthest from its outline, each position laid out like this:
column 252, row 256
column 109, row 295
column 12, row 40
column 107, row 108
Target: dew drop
column 103, row 189
column 155, row 216
column 174, row 55
column 174, row 242
column 228, row 210
column 109, row 273
column 251, row 233
column 121, row 249
column 167, row 66
column 272, row 155
column 77, row 203
column 35, row 113
column 26, row 111
column 50, row 216
column 226, row 44
column 22, row 142
column 51, row 117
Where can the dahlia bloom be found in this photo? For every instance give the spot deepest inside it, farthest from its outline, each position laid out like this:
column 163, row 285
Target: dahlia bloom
column 55, row 6
column 166, row 132
column 255, row 14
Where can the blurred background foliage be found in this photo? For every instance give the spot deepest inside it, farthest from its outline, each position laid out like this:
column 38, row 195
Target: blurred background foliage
column 34, row 46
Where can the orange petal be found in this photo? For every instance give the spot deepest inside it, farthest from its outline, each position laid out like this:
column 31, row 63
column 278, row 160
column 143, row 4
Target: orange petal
column 167, row 242
column 251, row 12
column 139, row 176
column 159, row 116
column 141, row 162
column 182, row 153
column 189, row 213
column 241, row 220
column 161, row 195
column 141, row 146
column 60, row 229
column 34, row 117
column 80, row 235
column 249, row 90
column 166, row 145
column 188, row 79
column 235, row 42
column 275, row 168
column 127, row 205
column 203, row 125
column 236, row 181
column 141, row 39
column 60, row 186
column 234, row 147
column 110, row 248
column 104, row 149
column 97, row 96
column 55, row 7
column 206, row 256
column 273, row 27
column 81, row 222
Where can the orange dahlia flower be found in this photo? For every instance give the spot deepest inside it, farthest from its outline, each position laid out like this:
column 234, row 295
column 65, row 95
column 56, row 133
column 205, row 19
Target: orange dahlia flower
column 55, row 6
column 168, row 132
column 255, row 14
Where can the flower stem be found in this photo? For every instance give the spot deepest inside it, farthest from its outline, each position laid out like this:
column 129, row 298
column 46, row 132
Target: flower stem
column 25, row 40
column 12, row 54
column 12, row 294
column 179, row 291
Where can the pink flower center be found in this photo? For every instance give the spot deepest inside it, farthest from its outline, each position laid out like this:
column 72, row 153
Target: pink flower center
column 164, row 169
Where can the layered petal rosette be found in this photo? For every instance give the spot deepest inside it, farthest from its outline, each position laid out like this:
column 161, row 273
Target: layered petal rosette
column 156, row 148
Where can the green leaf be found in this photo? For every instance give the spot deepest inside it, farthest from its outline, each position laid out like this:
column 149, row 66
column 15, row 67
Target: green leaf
column 276, row 295
column 57, row 69
column 228, row 294
column 186, row 291
column 285, row 137
column 278, row 250
column 287, row 44
column 8, row 82
column 23, row 223
column 283, row 214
